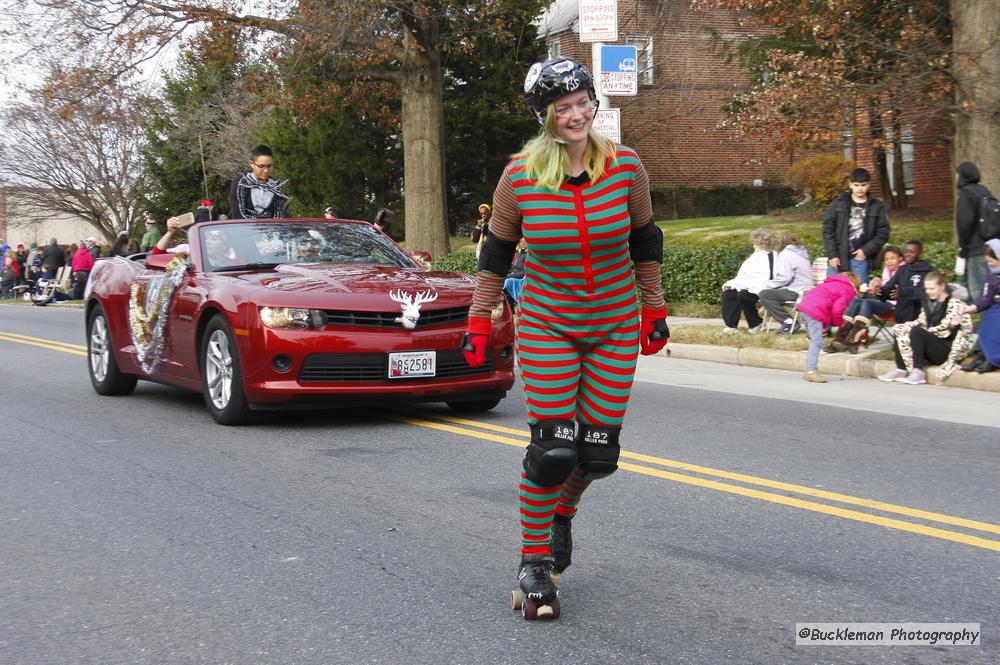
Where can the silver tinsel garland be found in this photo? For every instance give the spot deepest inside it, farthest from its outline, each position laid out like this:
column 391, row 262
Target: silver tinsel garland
column 147, row 313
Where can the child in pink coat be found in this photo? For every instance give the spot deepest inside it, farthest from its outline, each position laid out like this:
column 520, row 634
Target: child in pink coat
column 824, row 306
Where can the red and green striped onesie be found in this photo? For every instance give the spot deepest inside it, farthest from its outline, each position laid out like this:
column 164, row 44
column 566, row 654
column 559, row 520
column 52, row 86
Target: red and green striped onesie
column 578, row 330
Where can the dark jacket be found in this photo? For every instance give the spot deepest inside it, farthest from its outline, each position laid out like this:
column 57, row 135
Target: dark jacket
column 241, row 201
column 517, row 268
column 836, row 227
column 991, row 296
column 54, row 257
column 910, row 280
column 970, row 196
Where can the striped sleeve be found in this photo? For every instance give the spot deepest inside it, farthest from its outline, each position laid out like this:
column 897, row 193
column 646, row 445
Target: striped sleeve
column 505, row 224
column 640, row 205
column 640, row 209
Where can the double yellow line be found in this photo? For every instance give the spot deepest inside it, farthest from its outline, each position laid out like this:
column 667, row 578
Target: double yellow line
column 747, row 486
column 65, row 347
column 700, row 476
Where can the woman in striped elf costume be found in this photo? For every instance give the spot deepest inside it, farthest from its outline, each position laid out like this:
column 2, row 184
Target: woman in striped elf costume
column 582, row 203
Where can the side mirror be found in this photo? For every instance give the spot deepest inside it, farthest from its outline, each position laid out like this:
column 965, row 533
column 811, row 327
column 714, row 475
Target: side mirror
column 421, row 257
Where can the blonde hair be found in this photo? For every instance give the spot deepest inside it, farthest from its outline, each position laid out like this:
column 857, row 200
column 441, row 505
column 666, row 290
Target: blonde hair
column 548, row 163
column 763, row 238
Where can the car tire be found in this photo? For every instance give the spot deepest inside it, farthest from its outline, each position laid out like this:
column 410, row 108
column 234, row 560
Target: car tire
column 222, row 375
column 475, row 406
column 102, row 367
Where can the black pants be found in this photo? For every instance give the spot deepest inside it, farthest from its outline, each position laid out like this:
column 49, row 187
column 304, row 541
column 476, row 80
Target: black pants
column 927, row 348
column 734, row 302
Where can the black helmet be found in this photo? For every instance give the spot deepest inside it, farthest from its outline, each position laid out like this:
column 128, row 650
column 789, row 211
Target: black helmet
column 550, row 80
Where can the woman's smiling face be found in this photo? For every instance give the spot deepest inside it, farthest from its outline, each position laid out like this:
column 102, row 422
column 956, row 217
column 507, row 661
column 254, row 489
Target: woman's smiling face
column 574, row 116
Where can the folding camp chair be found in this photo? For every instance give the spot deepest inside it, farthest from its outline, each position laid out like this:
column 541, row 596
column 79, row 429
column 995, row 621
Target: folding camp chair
column 884, row 326
column 793, row 306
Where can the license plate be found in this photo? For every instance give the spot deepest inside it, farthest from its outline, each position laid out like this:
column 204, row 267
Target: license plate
column 410, row 364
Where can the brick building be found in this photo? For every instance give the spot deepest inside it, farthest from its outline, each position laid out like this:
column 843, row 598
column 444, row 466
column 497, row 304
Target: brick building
column 676, row 122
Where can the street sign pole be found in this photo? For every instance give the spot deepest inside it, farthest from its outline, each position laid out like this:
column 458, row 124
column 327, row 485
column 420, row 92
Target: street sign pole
column 595, row 54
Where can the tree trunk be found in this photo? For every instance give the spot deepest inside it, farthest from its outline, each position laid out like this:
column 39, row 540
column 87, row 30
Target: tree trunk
column 425, row 203
column 975, row 26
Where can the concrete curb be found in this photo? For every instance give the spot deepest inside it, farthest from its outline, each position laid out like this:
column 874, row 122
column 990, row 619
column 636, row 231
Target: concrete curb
column 843, row 364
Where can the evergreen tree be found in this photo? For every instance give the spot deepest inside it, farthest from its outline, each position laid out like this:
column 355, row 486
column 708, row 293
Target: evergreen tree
column 186, row 126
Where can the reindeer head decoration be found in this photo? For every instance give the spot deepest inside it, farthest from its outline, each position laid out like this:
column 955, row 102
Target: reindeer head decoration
column 411, row 306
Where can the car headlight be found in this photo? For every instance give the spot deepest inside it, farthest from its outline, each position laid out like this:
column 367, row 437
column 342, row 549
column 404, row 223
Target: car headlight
column 292, row 317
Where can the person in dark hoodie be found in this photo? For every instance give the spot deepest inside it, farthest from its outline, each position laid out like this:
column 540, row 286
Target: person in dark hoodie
column 855, row 227
column 970, row 238
column 256, row 195
column 907, row 286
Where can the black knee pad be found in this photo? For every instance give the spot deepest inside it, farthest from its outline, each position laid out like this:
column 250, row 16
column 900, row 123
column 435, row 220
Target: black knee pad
column 598, row 448
column 551, row 455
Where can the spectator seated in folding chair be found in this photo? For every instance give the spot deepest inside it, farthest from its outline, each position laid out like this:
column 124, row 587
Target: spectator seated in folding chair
column 864, row 309
column 54, row 289
column 792, row 278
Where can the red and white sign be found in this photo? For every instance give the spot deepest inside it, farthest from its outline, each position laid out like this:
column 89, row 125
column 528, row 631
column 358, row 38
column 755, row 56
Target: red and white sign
column 618, row 84
column 598, row 20
column 607, row 122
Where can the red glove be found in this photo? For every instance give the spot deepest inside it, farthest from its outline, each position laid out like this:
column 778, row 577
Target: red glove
column 654, row 333
column 477, row 338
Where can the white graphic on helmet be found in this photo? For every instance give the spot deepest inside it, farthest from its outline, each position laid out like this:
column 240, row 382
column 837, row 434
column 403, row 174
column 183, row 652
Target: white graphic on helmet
column 532, row 77
column 570, row 83
column 563, row 66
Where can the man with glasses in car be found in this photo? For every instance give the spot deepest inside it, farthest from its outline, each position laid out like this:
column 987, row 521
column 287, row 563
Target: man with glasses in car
column 257, row 195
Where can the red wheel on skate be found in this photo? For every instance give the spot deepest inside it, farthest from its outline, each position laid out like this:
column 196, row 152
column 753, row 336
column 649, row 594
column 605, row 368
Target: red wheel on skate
column 516, row 599
column 529, row 609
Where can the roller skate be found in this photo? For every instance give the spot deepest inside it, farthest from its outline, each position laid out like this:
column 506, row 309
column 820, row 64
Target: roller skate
column 562, row 545
column 537, row 597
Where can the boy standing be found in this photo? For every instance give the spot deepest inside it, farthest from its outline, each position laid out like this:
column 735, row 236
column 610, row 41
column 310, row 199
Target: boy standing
column 855, row 227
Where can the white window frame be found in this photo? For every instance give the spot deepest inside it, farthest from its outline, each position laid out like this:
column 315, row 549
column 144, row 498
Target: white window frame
column 906, row 145
column 644, row 55
column 554, row 47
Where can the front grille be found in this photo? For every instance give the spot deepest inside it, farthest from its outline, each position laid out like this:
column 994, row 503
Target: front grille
column 350, row 367
column 340, row 317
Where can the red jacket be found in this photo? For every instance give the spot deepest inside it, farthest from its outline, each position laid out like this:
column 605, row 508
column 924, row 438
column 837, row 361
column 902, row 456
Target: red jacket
column 826, row 303
column 82, row 260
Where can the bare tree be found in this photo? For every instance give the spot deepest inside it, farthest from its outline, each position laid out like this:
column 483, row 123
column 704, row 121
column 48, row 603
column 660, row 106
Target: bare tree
column 346, row 42
column 79, row 158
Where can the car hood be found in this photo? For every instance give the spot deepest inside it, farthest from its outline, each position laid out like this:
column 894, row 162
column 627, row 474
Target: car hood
column 333, row 286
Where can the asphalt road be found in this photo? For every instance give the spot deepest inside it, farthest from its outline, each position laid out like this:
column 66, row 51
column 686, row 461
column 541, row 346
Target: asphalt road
column 135, row 530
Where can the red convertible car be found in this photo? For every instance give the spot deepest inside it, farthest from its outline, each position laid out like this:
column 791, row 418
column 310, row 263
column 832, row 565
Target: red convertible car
column 276, row 314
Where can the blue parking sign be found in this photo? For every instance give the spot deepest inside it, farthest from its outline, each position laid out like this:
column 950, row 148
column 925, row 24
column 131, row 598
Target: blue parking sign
column 615, row 59
column 619, row 74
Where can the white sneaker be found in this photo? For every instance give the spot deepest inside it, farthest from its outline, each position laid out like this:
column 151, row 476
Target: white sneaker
column 727, row 330
column 914, row 378
column 894, row 374
column 756, row 329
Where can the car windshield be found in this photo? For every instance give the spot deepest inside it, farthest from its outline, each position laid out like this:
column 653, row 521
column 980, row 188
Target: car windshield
column 265, row 244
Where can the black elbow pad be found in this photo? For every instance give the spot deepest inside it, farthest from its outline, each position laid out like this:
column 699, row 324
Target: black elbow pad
column 497, row 255
column 646, row 243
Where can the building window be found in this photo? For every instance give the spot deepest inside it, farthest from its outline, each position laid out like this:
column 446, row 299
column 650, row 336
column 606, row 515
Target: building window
column 554, row 47
column 644, row 49
column 906, row 147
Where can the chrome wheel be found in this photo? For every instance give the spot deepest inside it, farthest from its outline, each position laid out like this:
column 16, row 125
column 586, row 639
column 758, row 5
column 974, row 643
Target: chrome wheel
column 219, row 369
column 99, row 348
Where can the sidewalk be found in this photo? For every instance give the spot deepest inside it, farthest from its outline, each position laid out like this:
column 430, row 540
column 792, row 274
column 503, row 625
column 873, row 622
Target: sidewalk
column 844, row 364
